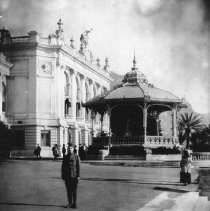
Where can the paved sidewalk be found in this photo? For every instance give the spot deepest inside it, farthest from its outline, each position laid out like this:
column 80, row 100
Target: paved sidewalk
column 29, row 185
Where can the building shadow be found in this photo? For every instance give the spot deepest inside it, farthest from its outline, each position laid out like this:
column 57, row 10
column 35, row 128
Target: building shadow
column 131, row 181
column 36, row 205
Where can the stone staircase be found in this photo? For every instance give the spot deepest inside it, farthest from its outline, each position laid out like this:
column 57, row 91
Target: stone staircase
column 192, row 202
column 202, row 204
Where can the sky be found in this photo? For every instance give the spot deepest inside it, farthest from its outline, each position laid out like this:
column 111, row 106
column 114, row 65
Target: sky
column 171, row 38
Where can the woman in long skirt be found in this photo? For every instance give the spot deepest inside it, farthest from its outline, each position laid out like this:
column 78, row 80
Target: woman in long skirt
column 186, row 166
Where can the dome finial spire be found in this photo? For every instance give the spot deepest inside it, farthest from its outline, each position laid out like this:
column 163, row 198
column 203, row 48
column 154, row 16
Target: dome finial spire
column 134, row 60
column 134, row 68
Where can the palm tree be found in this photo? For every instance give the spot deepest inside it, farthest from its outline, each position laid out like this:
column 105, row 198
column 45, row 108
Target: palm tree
column 188, row 124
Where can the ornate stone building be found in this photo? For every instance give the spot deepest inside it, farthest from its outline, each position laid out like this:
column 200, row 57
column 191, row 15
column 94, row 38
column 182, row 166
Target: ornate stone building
column 48, row 83
column 4, row 73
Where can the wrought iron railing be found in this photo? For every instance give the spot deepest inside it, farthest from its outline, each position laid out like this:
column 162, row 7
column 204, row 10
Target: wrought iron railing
column 119, row 140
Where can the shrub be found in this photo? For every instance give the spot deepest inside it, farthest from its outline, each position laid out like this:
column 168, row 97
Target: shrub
column 201, row 148
column 94, row 150
column 127, row 150
column 165, row 151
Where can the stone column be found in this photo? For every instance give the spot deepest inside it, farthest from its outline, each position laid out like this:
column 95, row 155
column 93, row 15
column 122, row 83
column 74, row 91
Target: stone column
column 91, row 89
column 73, row 94
column 60, row 139
column 84, row 133
column 75, row 135
column 83, row 92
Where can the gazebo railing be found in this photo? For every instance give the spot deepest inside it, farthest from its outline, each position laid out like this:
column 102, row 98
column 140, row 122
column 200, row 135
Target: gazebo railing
column 160, row 141
column 151, row 141
column 119, row 140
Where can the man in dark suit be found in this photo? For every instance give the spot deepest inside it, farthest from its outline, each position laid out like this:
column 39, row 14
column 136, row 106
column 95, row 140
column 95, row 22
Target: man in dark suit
column 71, row 174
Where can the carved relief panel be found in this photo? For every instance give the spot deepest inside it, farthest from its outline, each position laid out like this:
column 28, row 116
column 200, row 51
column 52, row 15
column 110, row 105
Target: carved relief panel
column 45, row 68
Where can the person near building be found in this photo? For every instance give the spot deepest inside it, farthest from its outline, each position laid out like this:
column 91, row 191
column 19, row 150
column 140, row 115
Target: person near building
column 75, row 149
column 55, row 151
column 37, row 151
column 81, row 152
column 186, row 166
column 64, row 150
column 70, row 173
column 85, row 149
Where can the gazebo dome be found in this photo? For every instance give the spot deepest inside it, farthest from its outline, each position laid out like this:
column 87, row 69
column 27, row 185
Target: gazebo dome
column 134, row 87
column 135, row 77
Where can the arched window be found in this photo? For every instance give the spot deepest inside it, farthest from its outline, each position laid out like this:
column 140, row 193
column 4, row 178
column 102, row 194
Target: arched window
column 67, row 106
column 66, row 85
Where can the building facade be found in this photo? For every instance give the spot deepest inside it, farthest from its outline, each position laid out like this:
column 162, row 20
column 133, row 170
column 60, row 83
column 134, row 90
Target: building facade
column 4, row 73
column 47, row 86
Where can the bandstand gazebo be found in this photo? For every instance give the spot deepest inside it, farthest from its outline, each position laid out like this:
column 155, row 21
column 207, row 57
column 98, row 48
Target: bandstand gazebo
column 133, row 108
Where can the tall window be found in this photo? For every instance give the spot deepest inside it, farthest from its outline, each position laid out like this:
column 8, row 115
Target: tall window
column 3, row 97
column 78, row 104
column 45, row 138
column 67, row 85
column 67, row 108
column 87, row 97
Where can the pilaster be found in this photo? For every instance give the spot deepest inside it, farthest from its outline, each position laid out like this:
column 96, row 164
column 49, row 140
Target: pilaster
column 83, row 78
column 74, row 96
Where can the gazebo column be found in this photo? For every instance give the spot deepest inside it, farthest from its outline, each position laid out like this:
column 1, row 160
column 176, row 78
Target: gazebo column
column 145, row 122
column 174, row 115
column 101, row 120
column 92, row 118
column 158, row 129
column 109, row 113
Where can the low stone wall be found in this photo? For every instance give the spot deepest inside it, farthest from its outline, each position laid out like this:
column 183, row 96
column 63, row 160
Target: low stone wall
column 151, row 157
column 204, row 182
column 102, row 154
column 45, row 152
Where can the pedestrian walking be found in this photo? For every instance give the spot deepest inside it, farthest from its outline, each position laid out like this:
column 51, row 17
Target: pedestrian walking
column 55, row 151
column 75, row 150
column 37, row 151
column 70, row 173
column 64, row 150
column 81, row 153
column 186, row 166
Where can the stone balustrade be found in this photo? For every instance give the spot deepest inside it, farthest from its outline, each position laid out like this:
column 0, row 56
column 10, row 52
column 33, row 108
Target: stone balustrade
column 20, row 39
column 160, row 141
column 53, row 40
column 201, row 155
column 151, row 141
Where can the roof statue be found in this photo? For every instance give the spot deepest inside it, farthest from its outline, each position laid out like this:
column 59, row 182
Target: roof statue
column 84, row 38
column 59, row 31
column 106, row 67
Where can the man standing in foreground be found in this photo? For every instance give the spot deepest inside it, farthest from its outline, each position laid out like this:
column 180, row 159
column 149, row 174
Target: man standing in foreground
column 71, row 174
